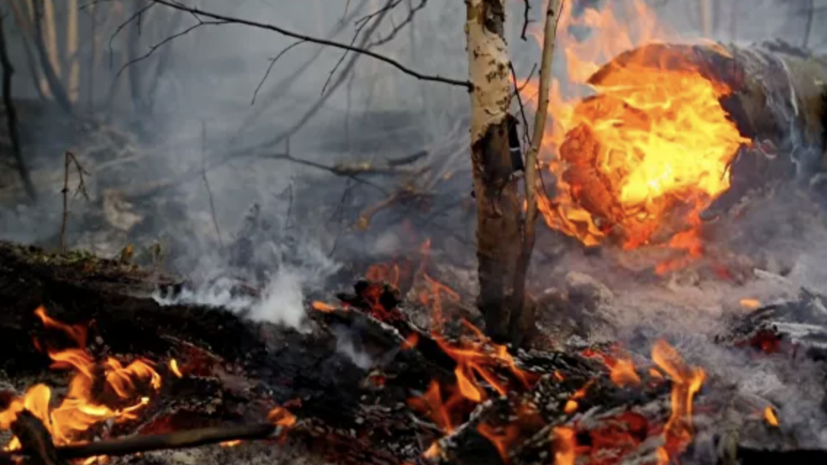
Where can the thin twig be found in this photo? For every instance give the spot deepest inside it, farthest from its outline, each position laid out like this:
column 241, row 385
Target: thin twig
column 81, row 189
column 207, row 182
column 154, row 47
column 229, row 19
column 526, row 20
column 152, row 442
column 270, row 67
column 412, row 10
column 530, row 225
column 11, row 115
column 360, row 24
column 517, row 90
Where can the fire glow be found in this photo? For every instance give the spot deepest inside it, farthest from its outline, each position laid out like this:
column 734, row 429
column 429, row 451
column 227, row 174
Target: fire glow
column 657, row 141
column 80, row 409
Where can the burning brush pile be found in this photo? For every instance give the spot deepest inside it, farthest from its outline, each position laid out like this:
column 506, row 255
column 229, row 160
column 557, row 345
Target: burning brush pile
column 358, row 382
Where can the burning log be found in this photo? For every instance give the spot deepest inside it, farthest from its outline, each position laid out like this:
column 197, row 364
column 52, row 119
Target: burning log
column 741, row 119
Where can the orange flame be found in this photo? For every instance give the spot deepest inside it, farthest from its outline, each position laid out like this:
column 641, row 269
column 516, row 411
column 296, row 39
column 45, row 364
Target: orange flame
column 173, row 367
column 623, row 373
column 769, row 415
column 564, row 442
column 384, row 272
column 432, row 298
column 662, row 137
column 323, row 307
column 750, row 304
column 280, row 416
column 81, row 409
column 475, row 358
column 232, row 443
column 686, row 382
column 501, row 438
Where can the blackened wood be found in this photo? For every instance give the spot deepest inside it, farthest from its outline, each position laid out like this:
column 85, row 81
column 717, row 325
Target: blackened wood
column 751, row 456
column 35, row 440
column 175, row 440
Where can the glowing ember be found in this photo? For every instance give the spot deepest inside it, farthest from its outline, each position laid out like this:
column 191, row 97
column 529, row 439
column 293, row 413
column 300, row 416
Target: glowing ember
column 770, row 417
column 230, row 443
column 653, row 141
column 751, row 304
column 686, row 382
column 82, row 408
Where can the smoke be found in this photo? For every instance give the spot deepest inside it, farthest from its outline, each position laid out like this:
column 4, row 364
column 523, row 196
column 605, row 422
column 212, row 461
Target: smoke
column 293, row 272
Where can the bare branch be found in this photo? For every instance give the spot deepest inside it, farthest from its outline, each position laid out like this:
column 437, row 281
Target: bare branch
column 517, row 89
column 553, row 14
column 270, row 67
column 223, row 19
column 408, row 19
column 167, row 40
column 81, row 189
column 526, row 20
column 361, row 23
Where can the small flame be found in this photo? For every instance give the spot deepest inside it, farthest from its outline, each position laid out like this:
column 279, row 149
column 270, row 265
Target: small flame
column 384, row 272
column 564, row 443
column 433, row 451
column 686, row 382
column 571, row 404
column 323, row 307
column 280, row 416
column 232, row 443
column 769, row 415
column 431, row 297
column 411, row 341
column 501, row 438
column 623, row 373
column 173, row 367
column 81, row 409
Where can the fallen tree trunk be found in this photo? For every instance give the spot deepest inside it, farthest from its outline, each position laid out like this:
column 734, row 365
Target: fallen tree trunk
column 776, row 98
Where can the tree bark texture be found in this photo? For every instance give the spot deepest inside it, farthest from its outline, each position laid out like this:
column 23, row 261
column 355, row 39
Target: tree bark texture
column 499, row 214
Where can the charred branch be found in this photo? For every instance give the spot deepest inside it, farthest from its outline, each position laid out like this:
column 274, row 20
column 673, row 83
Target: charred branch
column 35, row 440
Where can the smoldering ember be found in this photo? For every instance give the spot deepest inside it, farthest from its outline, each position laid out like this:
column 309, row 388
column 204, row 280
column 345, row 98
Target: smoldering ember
column 559, row 232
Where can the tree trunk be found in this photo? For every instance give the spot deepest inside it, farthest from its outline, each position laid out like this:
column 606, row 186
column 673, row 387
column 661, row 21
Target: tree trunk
column 499, row 215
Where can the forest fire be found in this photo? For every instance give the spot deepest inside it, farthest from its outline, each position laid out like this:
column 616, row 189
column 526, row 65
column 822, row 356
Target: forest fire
column 649, row 150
